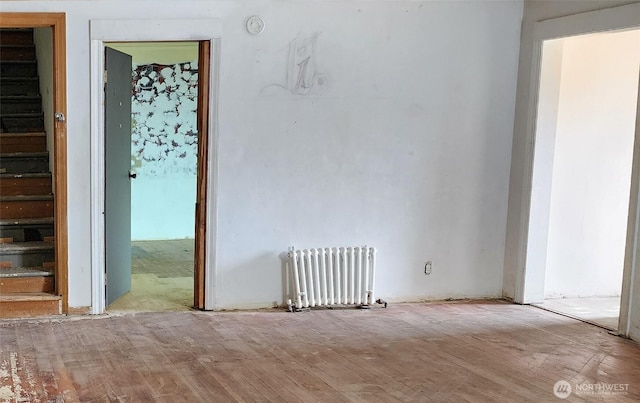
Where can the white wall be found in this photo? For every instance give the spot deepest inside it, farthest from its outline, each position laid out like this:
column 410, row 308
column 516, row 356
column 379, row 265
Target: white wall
column 404, row 144
column 592, row 165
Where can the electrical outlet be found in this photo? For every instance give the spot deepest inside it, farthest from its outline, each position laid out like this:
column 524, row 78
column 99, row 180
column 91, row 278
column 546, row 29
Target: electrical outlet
column 428, row 267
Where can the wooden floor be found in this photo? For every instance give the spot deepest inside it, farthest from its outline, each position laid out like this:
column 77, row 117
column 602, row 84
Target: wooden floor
column 448, row 352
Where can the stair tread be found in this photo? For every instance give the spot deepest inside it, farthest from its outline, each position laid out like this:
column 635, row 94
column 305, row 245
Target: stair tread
column 25, row 134
column 26, row 246
column 23, row 155
column 26, row 198
column 21, row 115
column 18, row 96
column 18, row 272
column 26, row 221
column 23, row 78
column 29, row 296
column 25, row 175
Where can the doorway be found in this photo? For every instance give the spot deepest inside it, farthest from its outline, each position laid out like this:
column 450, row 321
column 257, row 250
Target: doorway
column 206, row 33
column 162, row 81
column 585, row 130
column 50, row 30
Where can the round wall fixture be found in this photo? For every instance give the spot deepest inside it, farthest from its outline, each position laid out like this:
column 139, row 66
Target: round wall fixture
column 255, row 25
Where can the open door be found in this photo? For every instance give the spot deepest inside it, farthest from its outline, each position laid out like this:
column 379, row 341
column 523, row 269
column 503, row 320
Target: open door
column 117, row 179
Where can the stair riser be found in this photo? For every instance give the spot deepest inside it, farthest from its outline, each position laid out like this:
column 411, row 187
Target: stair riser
column 24, row 165
column 28, row 69
column 12, row 87
column 27, row 233
column 23, row 144
column 30, row 309
column 23, row 124
column 21, row 106
column 28, row 258
column 16, row 37
column 25, row 186
column 26, row 284
column 21, row 53
column 26, row 209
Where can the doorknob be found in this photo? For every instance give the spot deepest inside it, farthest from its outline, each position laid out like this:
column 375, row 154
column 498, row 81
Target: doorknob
column 132, row 175
column 59, row 116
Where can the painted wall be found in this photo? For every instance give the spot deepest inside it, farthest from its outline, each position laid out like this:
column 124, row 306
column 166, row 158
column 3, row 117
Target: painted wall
column 164, row 150
column 592, row 165
column 398, row 135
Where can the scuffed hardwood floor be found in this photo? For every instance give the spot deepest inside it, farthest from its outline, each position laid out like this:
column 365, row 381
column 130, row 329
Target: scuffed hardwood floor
column 445, row 352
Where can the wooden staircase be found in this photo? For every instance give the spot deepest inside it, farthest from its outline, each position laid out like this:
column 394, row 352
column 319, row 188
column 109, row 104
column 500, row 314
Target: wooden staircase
column 27, row 252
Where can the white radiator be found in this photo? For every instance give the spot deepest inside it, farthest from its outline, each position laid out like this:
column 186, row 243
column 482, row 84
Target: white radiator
column 333, row 276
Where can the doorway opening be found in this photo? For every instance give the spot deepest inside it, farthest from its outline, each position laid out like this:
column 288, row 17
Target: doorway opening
column 33, row 165
column 208, row 33
column 585, row 131
column 163, row 175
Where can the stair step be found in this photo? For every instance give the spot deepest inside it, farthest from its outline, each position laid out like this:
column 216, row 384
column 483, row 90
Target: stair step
column 23, row 123
column 26, row 206
column 16, row 36
column 27, row 230
column 18, row 52
column 18, row 68
column 20, row 86
column 29, row 305
column 32, row 282
column 26, row 221
column 15, row 272
column 31, row 142
column 15, row 104
column 25, row 184
column 24, row 162
column 25, row 247
column 27, row 254
column 17, row 123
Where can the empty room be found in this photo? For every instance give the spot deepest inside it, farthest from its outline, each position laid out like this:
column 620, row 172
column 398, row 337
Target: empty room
column 315, row 200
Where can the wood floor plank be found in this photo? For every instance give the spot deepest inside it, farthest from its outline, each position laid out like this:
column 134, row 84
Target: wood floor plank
column 465, row 352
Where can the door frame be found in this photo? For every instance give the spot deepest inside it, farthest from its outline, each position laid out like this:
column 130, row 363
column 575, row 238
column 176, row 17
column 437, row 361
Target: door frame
column 528, row 278
column 201, row 30
column 57, row 23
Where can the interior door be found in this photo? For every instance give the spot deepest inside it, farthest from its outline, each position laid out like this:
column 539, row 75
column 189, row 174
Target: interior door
column 117, row 166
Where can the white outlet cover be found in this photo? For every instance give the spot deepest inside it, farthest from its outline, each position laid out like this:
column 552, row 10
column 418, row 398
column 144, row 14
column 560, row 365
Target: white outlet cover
column 255, row 25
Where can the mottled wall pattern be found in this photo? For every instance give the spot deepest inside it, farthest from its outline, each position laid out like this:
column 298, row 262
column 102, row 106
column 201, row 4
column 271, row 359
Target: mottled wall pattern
column 163, row 109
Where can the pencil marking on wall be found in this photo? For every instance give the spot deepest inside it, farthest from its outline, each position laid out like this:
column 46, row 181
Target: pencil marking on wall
column 303, row 78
